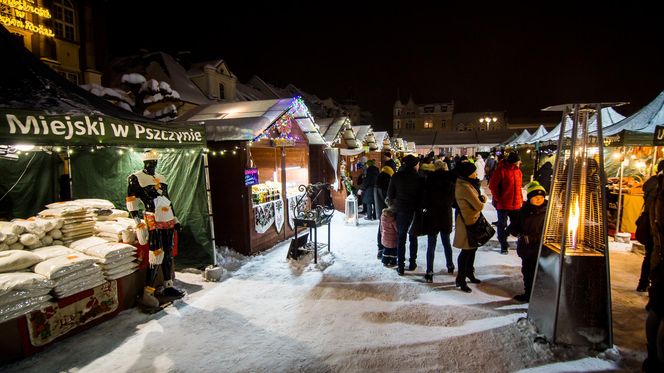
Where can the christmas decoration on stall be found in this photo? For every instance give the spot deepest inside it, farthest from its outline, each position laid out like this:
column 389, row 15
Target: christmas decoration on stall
column 280, row 132
column 278, row 215
column 264, row 215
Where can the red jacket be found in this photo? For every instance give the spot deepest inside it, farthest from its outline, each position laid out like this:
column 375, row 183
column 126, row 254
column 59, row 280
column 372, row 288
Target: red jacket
column 505, row 185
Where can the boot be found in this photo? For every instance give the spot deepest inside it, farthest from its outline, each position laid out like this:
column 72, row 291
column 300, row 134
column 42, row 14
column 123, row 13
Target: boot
column 400, row 271
column 450, row 269
column 412, row 266
column 149, row 299
column 428, row 277
column 461, row 284
column 170, row 291
column 474, row 279
column 642, row 287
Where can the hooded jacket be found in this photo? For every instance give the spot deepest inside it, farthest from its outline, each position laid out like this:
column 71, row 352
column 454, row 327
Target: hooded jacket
column 505, row 185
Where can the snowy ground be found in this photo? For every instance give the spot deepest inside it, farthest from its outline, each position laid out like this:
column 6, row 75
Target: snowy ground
column 346, row 314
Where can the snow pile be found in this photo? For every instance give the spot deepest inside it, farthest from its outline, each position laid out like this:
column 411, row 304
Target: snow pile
column 133, row 78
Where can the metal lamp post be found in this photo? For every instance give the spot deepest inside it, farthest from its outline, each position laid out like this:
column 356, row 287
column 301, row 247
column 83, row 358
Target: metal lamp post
column 488, row 120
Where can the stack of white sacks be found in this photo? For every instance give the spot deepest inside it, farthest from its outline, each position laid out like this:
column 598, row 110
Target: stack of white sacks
column 119, row 229
column 71, row 271
column 115, row 259
column 77, row 221
column 30, row 234
column 21, row 292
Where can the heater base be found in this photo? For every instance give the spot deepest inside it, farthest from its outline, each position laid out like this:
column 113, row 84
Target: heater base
column 580, row 314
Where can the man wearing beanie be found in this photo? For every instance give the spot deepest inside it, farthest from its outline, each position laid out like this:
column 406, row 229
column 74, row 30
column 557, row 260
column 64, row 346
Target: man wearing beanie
column 527, row 224
column 405, row 190
column 505, row 185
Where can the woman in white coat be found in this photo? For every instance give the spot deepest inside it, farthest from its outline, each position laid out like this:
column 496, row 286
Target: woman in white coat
column 479, row 163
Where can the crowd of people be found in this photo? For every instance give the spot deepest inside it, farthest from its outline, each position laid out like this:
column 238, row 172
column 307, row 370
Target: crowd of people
column 434, row 195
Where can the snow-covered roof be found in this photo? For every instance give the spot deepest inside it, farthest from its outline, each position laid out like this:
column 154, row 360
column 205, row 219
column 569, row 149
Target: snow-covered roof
column 162, row 67
column 644, row 120
column 361, row 132
column 331, row 127
column 246, row 120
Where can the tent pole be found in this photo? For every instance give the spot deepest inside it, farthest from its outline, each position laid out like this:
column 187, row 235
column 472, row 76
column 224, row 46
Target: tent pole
column 654, row 162
column 622, row 162
column 71, row 189
column 209, row 202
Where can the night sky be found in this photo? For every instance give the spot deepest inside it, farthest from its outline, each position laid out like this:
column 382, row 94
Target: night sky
column 483, row 59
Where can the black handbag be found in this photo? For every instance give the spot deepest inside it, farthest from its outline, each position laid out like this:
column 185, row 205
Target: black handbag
column 642, row 233
column 480, row 232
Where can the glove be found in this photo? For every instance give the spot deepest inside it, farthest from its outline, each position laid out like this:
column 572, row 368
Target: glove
column 178, row 227
column 483, row 199
column 156, row 257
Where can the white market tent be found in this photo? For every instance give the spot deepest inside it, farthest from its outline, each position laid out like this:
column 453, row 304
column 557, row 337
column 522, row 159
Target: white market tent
column 525, row 135
column 638, row 129
column 541, row 131
column 382, row 139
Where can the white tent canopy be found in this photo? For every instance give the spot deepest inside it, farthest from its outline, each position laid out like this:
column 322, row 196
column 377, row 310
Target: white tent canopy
column 541, row 131
column 644, row 120
column 525, row 135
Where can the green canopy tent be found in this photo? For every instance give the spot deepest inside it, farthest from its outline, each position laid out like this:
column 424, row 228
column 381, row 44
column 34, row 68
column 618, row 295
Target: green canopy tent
column 96, row 139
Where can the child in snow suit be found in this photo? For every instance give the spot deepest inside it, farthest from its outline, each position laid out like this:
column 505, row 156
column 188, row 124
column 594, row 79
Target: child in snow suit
column 527, row 226
column 389, row 236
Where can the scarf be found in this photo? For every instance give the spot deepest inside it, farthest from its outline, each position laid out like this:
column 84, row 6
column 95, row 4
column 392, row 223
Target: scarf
column 474, row 182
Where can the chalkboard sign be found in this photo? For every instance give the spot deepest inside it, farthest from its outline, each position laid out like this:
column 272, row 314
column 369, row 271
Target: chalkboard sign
column 250, row 176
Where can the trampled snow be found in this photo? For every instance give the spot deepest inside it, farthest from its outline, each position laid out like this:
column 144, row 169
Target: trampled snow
column 346, row 314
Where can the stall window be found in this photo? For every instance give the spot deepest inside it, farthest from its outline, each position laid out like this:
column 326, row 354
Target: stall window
column 64, row 20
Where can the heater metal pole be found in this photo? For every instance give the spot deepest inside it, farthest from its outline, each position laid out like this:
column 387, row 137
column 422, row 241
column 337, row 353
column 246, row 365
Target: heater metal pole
column 622, row 167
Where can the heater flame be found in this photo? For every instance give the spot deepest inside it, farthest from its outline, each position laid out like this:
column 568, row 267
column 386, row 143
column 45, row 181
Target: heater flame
column 573, row 221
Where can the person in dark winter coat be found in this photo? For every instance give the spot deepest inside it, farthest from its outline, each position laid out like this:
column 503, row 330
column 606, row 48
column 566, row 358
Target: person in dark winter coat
column 405, row 190
column 380, row 194
column 439, row 195
column 527, row 225
column 655, row 307
column 388, row 161
column 649, row 197
column 505, row 185
column 370, row 175
column 489, row 167
column 544, row 175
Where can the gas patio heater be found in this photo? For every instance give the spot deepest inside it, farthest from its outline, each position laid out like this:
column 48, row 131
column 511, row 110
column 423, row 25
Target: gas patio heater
column 570, row 301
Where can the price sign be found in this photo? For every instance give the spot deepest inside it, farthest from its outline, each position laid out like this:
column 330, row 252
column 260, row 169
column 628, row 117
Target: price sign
column 250, row 176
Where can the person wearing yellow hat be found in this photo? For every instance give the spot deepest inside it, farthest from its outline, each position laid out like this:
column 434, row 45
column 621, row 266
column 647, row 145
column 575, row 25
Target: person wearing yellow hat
column 380, row 194
column 527, row 226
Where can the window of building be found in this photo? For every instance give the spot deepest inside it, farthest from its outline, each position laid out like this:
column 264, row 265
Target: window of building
column 222, row 95
column 428, row 123
column 72, row 77
column 410, row 125
column 64, row 20
column 429, row 109
column 444, row 123
column 397, row 124
column 443, row 107
column 398, row 112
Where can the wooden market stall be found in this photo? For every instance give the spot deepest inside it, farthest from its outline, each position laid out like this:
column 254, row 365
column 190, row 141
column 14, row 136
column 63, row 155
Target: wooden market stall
column 258, row 158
